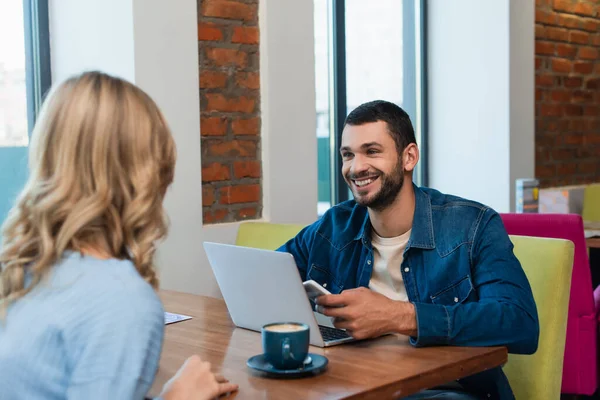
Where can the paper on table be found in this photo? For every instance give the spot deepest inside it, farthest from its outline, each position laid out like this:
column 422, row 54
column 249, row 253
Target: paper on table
column 171, row 318
column 589, row 233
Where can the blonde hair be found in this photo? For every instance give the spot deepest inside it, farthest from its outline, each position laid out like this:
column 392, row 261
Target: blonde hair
column 100, row 162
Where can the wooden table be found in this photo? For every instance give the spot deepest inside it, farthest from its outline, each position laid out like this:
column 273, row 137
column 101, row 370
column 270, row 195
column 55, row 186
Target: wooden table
column 388, row 367
column 592, row 227
column 593, row 242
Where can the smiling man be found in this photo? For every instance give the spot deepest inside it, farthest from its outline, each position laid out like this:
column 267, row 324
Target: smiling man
column 414, row 261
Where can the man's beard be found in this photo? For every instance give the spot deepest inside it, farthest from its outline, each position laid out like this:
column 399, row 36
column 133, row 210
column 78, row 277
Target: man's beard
column 391, row 184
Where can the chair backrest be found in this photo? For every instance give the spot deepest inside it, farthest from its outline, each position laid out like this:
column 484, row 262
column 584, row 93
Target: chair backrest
column 547, row 264
column 591, row 203
column 265, row 235
column 560, row 226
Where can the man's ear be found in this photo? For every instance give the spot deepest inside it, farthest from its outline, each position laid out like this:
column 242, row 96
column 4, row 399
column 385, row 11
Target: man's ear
column 410, row 157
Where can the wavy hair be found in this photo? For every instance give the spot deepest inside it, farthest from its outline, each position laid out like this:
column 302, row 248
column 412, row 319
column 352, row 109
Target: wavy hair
column 100, row 162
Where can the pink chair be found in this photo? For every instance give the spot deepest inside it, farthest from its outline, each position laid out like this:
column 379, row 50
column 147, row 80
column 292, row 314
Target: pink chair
column 580, row 371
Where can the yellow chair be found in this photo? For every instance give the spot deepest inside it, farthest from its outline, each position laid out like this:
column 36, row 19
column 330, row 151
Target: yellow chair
column 548, row 264
column 264, row 235
column 591, row 203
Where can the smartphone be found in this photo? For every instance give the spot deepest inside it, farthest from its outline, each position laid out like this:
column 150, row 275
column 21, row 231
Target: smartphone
column 314, row 289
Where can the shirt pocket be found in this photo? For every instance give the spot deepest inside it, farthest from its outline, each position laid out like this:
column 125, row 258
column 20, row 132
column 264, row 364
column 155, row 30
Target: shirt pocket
column 456, row 293
column 324, row 278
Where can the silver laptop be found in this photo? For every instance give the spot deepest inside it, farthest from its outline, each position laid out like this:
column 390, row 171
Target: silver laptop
column 263, row 286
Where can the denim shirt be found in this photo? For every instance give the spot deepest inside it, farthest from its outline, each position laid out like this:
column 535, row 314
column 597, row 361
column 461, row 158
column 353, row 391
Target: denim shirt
column 459, row 270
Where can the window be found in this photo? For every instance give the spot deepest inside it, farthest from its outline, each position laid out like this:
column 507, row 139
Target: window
column 365, row 51
column 24, row 78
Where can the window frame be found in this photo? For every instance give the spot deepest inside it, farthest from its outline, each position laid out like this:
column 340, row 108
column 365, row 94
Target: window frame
column 37, row 56
column 415, row 35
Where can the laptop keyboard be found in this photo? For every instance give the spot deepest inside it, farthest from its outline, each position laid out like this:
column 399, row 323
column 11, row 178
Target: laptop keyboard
column 330, row 333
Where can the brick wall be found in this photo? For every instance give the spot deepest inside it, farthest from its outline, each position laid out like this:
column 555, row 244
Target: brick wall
column 230, row 110
column 567, row 111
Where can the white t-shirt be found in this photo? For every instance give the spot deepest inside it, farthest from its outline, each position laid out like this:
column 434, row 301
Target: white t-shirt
column 387, row 257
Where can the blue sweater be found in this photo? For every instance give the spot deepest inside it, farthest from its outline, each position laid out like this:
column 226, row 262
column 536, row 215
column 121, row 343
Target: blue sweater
column 92, row 330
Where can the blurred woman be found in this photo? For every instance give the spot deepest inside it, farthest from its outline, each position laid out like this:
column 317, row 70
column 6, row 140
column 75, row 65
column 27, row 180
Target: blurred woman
column 80, row 315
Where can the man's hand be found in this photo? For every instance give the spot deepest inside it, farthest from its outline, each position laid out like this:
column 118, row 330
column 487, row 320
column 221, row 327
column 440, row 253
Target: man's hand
column 367, row 314
column 195, row 381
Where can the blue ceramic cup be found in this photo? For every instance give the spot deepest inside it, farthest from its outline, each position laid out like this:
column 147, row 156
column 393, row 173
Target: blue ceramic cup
column 285, row 344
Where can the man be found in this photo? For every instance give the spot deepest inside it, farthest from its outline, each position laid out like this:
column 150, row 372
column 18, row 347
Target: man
column 414, row 261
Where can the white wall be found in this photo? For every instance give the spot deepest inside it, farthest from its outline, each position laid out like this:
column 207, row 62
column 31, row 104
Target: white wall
column 481, row 131
column 90, row 34
column 522, row 92
column 287, row 73
column 163, row 60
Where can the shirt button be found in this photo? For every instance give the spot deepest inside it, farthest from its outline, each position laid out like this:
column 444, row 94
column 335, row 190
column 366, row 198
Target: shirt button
column 456, row 299
column 369, row 262
column 406, row 269
column 325, row 284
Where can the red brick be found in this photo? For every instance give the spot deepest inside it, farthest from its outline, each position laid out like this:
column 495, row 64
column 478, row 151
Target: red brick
column 248, row 80
column 210, row 217
column 213, row 126
column 223, row 57
column 566, row 169
column 588, row 53
column 561, row 96
column 544, row 80
column 247, row 212
column 581, row 67
column 563, row 125
column 573, row 110
column 541, row 154
column 582, row 96
column 233, row 148
column 577, row 125
column 545, row 171
column 579, row 37
column 561, row 65
column 593, row 83
column 593, row 138
column 563, row 154
column 573, row 138
column 218, row 102
column 594, row 126
column 229, row 10
column 239, row 194
column 552, row 126
column 539, row 95
column 208, row 196
column 584, row 8
column 538, row 63
column 595, row 39
column 540, row 32
column 544, row 17
column 557, row 34
column 245, row 126
column 566, row 50
column 563, row 5
column 246, row 169
column 245, row 34
column 588, row 167
column 551, row 110
column 569, row 21
column 214, row 172
column 212, row 79
column 591, row 25
column 544, row 48
column 208, row 31
column 572, row 82
column 592, row 111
